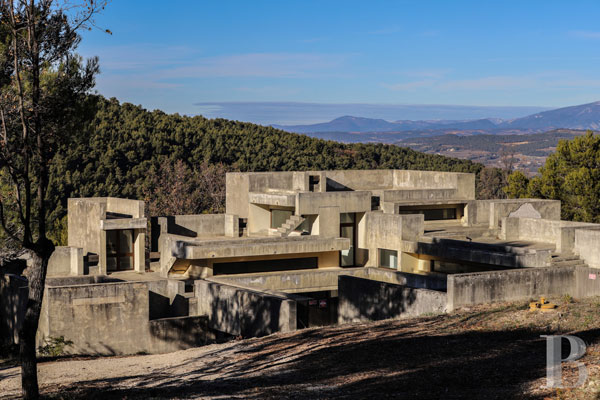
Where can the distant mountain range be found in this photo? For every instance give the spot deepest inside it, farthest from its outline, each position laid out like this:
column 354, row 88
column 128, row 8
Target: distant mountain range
column 586, row 116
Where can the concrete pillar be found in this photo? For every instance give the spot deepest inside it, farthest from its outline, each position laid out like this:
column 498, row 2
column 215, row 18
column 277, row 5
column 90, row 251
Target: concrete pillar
column 232, row 225
column 139, row 250
column 102, row 254
column 329, row 221
column 76, row 261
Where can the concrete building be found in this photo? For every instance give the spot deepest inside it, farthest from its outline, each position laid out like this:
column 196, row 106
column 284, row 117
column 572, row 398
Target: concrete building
column 297, row 249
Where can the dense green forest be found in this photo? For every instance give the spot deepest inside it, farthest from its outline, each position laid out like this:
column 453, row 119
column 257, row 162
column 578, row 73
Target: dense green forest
column 124, row 146
column 571, row 175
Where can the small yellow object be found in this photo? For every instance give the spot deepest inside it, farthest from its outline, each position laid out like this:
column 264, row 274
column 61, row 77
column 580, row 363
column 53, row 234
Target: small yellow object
column 542, row 305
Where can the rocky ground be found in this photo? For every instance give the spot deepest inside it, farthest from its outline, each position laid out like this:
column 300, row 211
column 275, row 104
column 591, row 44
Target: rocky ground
column 488, row 352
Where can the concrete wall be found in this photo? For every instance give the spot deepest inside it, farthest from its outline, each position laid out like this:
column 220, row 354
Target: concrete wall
column 66, row 261
column 84, row 216
column 509, row 285
column 587, row 245
column 200, row 226
column 524, row 208
column 560, row 233
column 388, row 231
column 13, row 300
column 360, row 179
column 348, row 202
column 114, row 318
column 323, row 280
column 367, row 300
column 464, row 183
column 587, row 282
column 244, row 311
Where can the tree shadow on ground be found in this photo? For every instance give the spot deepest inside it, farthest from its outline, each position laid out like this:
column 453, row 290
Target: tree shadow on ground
column 383, row 360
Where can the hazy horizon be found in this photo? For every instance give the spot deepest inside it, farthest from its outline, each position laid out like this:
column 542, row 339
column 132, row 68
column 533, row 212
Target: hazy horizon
column 303, row 113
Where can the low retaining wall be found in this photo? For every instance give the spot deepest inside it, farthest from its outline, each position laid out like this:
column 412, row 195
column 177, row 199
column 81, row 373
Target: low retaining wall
column 119, row 318
column 243, row 311
column 587, row 243
column 368, row 300
column 509, row 285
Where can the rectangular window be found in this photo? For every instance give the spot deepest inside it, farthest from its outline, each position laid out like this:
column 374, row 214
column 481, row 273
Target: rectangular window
column 388, row 258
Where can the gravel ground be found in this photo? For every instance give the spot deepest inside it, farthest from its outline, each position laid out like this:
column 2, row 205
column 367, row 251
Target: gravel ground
column 492, row 352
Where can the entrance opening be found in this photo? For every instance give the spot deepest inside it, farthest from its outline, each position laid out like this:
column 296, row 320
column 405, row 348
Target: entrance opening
column 348, row 230
column 313, row 182
column 119, row 250
column 248, row 267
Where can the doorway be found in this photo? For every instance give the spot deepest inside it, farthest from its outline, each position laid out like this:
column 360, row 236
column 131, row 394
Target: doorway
column 348, row 230
column 119, row 250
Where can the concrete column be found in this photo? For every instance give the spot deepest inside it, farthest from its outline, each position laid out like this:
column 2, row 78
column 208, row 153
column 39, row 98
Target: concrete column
column 329, row 221
column 139, row 250
column 76, row 261
column 232, row 225
column 102, row 254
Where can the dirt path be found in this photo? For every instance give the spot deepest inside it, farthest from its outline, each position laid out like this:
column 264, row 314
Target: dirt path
column 489, row 352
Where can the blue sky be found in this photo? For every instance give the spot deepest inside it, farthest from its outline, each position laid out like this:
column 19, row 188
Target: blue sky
column 174, row 54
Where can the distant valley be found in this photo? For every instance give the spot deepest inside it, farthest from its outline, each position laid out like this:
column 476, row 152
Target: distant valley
column 491, row 141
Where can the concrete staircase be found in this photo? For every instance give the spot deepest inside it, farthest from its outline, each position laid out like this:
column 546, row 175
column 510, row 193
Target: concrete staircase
column 288, row 226
column 565, row 260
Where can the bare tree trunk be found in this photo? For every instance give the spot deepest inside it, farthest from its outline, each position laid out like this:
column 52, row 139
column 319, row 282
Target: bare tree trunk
column 27, row 346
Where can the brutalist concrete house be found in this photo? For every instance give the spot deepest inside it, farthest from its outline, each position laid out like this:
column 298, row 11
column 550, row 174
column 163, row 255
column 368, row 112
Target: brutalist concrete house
column 300, row 249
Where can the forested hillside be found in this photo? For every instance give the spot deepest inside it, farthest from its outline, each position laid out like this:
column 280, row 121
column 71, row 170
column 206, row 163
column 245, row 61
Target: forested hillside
column 125, row 145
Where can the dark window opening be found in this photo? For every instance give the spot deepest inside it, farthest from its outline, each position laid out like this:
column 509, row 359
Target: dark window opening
column 313, row 182
column 434, row 214
column 248, row 267
column 348, row 230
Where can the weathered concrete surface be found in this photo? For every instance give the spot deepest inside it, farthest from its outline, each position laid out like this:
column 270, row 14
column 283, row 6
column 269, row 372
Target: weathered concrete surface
column 526, row 208
column 113, row 318
column 193, row 226
column 491, row 212
column 245, row 247
column 179, row 333
column 510, row 255
column 89, row 217
column 123, row 223
column 510, row 285
column 242, row 311
column 348, row 202
column 13, row 300
column 367, row 300
column 66, row 261
column 587, row 282
column 273, row 199
column 463, row 183
column 323, row 280
column 561, row 233
column 587, row 246
column 328, row 222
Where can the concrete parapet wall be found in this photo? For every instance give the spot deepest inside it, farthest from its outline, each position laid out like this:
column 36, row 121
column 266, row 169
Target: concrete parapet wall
column 13, row 300
column 65, row 261
column 242, row 311
column 463, row 183
column 560, row 233
column 368, row 300
column 509, row 285
column 348, row 202
column 525, row 208
column 587, row 246
column 397, row 195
